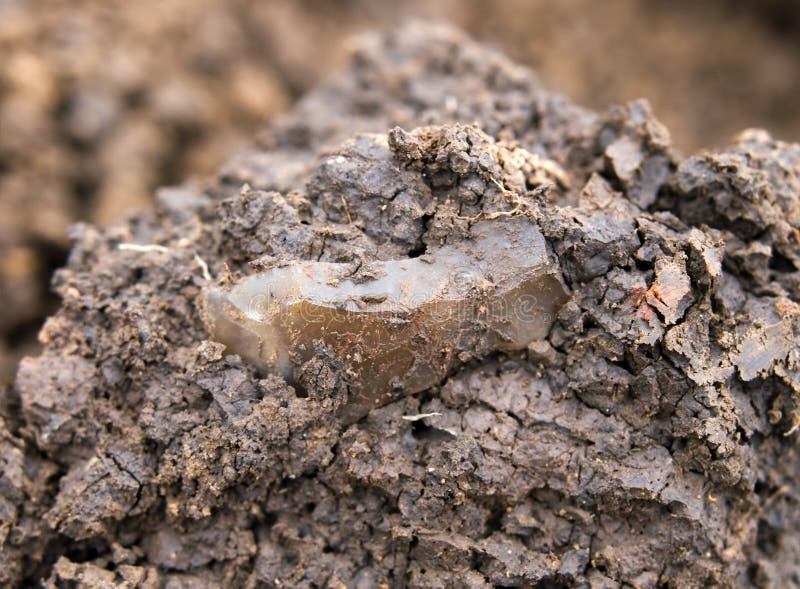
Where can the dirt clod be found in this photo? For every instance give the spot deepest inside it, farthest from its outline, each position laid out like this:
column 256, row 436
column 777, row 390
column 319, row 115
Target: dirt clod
column 651, row 441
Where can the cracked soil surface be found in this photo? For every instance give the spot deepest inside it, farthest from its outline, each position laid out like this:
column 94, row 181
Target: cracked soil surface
column 650, row 440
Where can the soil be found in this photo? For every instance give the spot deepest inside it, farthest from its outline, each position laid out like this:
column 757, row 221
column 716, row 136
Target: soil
column 101, row 103
column 650, row 440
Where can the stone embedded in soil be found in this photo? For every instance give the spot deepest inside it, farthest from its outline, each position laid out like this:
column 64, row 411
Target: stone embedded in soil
column 649, row 440
column 398, row 327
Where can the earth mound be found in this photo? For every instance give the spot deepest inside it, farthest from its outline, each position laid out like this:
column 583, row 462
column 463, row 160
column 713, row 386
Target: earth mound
column 649, row 440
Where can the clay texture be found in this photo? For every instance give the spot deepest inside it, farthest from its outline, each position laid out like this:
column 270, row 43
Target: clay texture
column 649, row 440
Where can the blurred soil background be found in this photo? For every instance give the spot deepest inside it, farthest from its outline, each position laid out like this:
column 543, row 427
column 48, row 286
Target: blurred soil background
column 101, row 102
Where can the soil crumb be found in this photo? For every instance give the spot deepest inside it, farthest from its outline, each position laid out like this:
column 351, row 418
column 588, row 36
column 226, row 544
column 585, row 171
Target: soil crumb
column 648, row 440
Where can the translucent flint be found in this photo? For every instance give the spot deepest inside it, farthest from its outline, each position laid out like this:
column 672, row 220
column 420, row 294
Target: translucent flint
column 397, row 326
